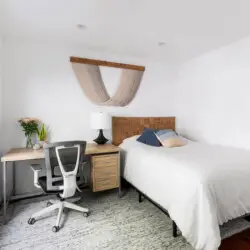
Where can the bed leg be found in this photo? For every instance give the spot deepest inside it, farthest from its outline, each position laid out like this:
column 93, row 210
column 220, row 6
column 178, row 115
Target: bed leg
column 174, row 228
column 140, row 197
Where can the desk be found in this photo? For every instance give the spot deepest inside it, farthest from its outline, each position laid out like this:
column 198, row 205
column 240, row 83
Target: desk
column 101, row 179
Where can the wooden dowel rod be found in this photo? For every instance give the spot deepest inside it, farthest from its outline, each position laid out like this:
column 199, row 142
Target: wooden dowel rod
column 106, row 63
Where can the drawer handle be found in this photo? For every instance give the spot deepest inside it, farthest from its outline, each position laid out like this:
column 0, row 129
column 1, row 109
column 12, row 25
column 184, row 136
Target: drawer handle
column 106, row 171
column 105, row 161
column 105, row 181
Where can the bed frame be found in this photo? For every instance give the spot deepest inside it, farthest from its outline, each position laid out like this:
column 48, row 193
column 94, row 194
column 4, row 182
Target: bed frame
column 124, row 127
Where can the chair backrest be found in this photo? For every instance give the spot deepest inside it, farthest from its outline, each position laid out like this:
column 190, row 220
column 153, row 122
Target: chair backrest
column 67, row 156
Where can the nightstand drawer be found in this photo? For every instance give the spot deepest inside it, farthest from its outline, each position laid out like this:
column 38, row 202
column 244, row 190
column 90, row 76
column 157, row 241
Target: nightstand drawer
column 105, row 183
column 105, row 161
column 106, row 171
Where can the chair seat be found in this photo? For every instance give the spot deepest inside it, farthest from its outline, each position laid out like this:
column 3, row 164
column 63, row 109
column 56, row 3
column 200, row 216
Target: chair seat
column 43, row 183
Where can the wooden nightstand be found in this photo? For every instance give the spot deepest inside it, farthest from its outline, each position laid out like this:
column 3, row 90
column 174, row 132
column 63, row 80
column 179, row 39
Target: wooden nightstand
column 105, row 169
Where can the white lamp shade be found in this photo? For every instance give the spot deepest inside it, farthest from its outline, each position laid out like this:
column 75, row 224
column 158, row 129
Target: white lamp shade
column 100, row 121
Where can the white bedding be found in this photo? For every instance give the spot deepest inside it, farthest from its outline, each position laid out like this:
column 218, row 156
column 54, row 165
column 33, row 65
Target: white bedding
column 200, row 185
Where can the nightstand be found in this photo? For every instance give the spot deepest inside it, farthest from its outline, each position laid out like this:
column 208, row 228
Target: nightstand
column 105, row 167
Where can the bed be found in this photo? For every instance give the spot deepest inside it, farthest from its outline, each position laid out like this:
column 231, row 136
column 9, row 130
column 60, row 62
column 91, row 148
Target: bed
column 200, row 186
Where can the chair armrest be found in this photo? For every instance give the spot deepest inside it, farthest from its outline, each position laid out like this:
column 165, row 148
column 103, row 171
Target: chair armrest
column 36, row 169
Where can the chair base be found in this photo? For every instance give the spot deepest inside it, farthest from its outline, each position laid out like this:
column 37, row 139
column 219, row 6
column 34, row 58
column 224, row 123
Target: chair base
column 60, row 206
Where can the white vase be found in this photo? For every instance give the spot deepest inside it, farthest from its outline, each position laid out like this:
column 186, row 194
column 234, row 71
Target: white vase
column 36, row 146
column 41, row 143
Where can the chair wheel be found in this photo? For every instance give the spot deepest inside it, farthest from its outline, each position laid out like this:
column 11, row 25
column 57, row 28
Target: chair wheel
column 86, row 214
column 55, row 229
column 49, row 203
column 31, row 221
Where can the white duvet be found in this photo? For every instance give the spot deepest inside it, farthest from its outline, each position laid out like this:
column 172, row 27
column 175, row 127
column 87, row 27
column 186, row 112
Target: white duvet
column 200, row 185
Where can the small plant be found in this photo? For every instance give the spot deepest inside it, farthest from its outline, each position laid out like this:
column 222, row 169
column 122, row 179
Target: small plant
column 30, row 127
column 42, row 133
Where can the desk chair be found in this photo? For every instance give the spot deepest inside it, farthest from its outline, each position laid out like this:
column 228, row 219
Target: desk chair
column 68, row 156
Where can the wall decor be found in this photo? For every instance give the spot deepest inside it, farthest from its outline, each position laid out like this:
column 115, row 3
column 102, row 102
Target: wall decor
column 89, row 76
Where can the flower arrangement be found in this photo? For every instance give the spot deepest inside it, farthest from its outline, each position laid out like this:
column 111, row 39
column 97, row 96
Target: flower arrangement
column 30, row 127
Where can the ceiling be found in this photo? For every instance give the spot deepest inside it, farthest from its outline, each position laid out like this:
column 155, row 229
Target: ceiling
column 132, row 27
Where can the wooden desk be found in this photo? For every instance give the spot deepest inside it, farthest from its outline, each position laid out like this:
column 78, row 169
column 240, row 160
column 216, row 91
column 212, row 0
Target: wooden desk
column 24, row 154
column 105, row 166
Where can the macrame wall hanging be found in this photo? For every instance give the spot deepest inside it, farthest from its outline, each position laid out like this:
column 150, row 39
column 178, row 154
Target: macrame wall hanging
column 89, row 76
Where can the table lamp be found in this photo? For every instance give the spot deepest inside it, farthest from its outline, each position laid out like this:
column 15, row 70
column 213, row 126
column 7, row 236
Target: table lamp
column 100, row 121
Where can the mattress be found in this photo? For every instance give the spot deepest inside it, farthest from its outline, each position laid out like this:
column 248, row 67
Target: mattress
column 202, row 186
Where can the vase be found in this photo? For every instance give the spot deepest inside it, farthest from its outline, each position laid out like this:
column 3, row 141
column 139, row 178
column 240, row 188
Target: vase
column 41, row 143
column 29, row 143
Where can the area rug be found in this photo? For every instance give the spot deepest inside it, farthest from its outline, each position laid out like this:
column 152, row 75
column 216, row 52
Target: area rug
column 114, row 224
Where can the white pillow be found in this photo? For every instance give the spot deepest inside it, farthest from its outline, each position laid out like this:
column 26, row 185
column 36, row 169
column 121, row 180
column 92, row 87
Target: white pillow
column 185, row 139
column 132, row 138
column 129, row 141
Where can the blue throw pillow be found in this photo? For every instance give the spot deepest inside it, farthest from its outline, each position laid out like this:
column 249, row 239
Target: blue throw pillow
column 148, row 137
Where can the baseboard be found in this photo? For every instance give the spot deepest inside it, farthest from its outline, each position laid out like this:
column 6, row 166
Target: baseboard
column 26, row 196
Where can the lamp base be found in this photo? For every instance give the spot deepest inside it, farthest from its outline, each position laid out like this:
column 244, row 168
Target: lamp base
column 101, row 139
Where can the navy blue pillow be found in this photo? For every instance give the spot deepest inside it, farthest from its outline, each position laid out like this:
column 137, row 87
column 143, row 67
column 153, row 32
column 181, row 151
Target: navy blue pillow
column 148, row 137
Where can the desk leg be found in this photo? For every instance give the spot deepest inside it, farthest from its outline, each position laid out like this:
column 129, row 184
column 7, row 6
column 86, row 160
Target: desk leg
column 4, row 193
column 120, row 191
column 120, row 177
column 14, row 178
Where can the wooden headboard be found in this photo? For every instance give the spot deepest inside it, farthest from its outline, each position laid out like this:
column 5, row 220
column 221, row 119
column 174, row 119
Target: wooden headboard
column 124, row 127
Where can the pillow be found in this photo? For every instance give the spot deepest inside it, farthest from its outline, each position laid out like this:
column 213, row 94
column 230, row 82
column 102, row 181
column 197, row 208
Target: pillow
column 168, row 138
column 172, row 142
column 148, row 137
column 132, row 138
column 184, row 139
column 164, row 134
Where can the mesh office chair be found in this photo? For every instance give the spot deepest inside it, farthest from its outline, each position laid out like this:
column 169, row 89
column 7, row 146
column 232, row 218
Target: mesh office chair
column 68, row 156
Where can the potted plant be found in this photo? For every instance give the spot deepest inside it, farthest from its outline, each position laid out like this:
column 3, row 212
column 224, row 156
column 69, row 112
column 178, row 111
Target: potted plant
column 30, row 127
column 42, row 134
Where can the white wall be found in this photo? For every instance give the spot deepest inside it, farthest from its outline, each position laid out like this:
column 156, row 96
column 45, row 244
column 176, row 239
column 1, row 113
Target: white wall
column 1, row 109
column 1, row 92
column 213, row 96
column 39, row 82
